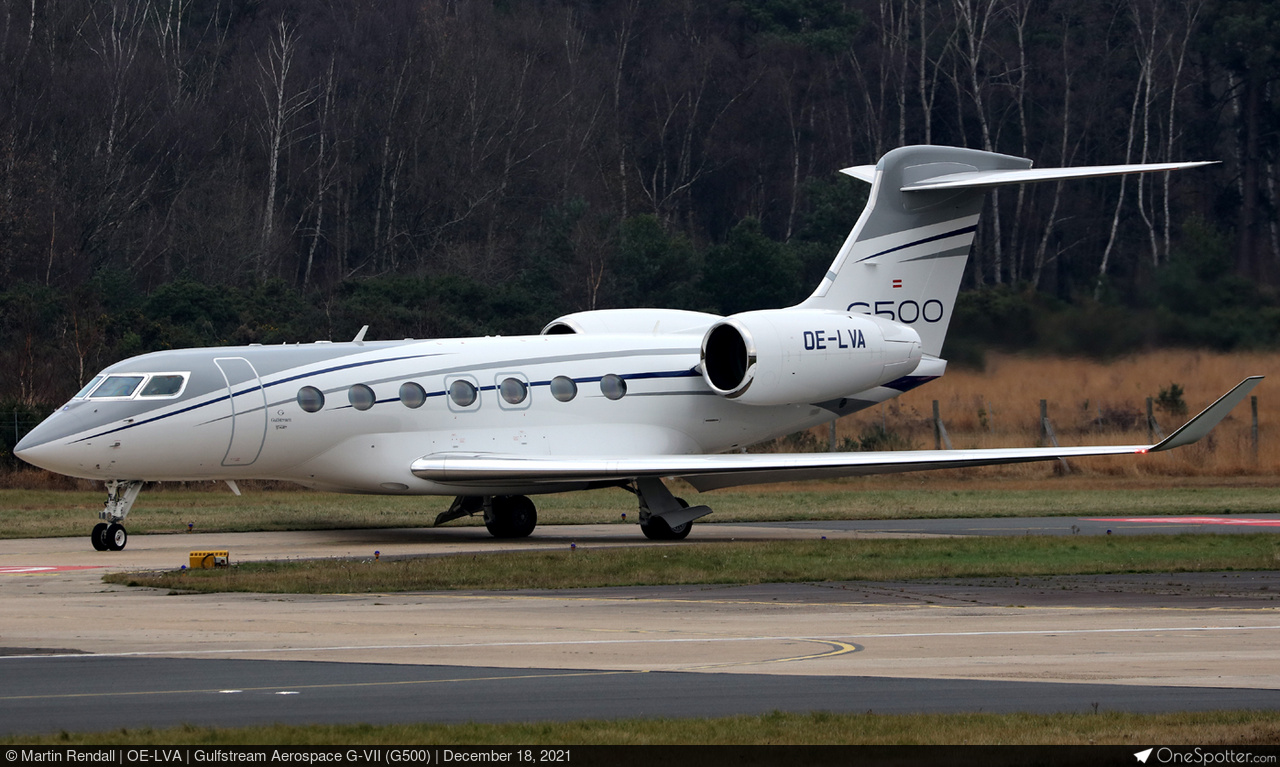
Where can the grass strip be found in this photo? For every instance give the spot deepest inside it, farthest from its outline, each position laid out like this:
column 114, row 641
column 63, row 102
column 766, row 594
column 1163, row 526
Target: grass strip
column 1106, row 727
column 736, row 562
column 51, row 513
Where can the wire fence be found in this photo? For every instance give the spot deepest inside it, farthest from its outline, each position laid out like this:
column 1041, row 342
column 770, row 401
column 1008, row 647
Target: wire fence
column 15, row 426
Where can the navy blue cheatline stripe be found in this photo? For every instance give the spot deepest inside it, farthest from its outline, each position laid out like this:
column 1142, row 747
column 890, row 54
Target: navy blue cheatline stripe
column 670, row 374
column 633, row 376
column 935, row 238
column 251, row 388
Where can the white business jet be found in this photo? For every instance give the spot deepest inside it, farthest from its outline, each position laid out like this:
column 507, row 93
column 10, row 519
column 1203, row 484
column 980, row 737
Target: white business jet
column 614, row 398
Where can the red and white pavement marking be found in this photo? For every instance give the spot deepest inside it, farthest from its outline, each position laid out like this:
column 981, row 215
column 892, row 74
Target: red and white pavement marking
column 1192, row 521
column 42, row 570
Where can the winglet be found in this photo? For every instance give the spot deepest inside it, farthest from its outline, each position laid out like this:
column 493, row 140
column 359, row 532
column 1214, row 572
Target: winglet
column 359, row 339
column 1202, row 424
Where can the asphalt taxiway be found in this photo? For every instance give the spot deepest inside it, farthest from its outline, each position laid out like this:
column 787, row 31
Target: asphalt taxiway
column 78, row 654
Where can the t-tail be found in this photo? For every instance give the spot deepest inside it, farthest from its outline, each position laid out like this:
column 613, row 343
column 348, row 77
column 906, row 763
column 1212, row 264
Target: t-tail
column 905, row 257
column 875, row 326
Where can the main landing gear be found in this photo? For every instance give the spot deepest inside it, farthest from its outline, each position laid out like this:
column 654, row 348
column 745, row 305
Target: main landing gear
column 110, row 535
column 505, row 516
column 663, row 517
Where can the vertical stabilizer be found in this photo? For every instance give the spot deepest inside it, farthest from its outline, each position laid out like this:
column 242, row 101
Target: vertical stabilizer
column 905, row 257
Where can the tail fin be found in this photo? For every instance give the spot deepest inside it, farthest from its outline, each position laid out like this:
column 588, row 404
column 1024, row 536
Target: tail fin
column 905, row 257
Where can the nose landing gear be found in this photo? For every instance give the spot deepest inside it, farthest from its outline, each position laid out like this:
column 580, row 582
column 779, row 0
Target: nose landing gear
column 110, row 535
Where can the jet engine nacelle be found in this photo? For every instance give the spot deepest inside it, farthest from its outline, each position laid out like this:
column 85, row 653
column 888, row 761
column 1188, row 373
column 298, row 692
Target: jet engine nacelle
column 790, row 356
column 631, row 322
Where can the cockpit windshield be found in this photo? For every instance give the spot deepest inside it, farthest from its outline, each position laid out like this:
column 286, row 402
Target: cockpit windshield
column 122, row 386
column 88, row 388
column 117, row 386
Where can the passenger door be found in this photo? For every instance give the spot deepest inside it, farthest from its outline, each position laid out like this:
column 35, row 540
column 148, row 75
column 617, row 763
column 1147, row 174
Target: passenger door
column 248, row 411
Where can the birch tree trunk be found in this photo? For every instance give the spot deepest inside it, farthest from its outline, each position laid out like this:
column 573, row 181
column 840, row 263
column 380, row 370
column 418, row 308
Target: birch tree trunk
column 281, row 107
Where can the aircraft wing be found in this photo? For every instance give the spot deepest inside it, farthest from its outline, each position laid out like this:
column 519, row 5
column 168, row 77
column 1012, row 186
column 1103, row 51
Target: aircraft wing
column 709, row 472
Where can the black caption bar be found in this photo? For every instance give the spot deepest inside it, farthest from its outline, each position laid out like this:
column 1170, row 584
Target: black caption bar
column 625, row 756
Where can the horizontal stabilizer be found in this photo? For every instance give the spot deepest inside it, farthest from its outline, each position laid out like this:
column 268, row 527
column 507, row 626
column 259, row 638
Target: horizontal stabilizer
column 978, row 179
column 709, row 472
column 865, row 173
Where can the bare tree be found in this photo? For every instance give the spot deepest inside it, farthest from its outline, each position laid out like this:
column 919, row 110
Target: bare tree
column 1041, row 258
column 974, row 21
column 281, row 104
column 1178, row 51
column 326, row 165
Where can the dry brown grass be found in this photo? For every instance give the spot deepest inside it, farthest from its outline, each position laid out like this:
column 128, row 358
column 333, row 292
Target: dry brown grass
column 999, row 406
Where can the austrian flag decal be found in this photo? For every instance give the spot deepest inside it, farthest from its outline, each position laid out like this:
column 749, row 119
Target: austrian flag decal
column 897, row 283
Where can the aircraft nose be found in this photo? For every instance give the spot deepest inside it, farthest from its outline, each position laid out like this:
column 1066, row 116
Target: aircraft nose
column 38, row 448
column 26, row 443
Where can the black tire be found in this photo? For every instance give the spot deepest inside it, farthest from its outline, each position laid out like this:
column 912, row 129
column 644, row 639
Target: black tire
column 680, row 532
column 657, row 529
column 117, row 537
column 513, row 516
column 99, row 536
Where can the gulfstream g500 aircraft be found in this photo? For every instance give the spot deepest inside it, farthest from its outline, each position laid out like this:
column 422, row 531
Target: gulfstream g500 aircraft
column 619, row 398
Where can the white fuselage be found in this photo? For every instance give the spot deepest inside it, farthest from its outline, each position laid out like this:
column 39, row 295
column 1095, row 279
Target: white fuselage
column 223, row 428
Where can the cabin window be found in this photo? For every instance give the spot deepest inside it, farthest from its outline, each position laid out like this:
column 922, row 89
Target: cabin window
column 164, row 385
column 412, row 395
column 117, row 386
column 361, row 397
column 563, row 388
column 513, row 390
column 613, row 386
column 88, row 388
column 310, row 399
column 463, row 393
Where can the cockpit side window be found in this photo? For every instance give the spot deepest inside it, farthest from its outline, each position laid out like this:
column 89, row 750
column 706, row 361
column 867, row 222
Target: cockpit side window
column 117, row 386
column 88, row 388
column 163, row 385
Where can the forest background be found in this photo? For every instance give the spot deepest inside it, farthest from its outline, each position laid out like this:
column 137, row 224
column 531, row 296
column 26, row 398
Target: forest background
column 205, row 172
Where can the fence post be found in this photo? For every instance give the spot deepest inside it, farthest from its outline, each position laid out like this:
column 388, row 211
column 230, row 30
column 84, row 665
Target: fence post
column 1154, row 431
column 1046, row 431
column 1151, row 420
column 940, row 436
column 831, row 443
column 1253, row 402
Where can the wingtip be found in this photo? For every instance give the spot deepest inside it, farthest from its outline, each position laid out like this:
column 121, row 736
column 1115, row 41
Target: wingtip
column 1204, row 422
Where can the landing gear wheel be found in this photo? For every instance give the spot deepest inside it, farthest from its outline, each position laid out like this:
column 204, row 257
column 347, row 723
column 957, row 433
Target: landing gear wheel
column 99, row 536
column 657, row 529
column 116, row 536
column 511, row 516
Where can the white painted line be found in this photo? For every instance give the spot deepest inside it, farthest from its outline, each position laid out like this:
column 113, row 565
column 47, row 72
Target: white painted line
column 670, row 640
